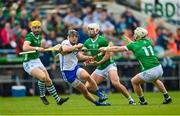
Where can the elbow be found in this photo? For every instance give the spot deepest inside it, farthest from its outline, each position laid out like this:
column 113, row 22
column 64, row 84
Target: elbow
column 24, row 48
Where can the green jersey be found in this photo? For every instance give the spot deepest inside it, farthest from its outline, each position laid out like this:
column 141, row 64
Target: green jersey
column 99, row 42
column 35, row 42
column 144, row 52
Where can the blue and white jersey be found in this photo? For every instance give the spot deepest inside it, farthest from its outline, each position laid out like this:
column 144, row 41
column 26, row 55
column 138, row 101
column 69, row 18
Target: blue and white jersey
column 68, row 62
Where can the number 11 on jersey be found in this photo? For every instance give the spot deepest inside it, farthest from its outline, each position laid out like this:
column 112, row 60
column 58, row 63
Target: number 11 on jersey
column 148, row 50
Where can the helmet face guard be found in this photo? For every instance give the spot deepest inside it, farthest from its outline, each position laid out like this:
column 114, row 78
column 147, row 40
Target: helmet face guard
column 140, row 33
column 73, row 36
column 93, row 29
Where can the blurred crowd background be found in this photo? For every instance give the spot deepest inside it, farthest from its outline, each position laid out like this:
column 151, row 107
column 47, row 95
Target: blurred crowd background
column 16, row 15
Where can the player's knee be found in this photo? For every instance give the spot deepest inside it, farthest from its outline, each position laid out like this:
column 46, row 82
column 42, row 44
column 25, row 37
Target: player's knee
column 116, row 83
column 43, row 77
column 48, row 81
column 133, row 81
column 91, row 81
column 87, row 85
column 87, row 77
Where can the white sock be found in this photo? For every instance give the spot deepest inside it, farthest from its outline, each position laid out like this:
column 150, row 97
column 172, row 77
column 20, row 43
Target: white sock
column 130, row 98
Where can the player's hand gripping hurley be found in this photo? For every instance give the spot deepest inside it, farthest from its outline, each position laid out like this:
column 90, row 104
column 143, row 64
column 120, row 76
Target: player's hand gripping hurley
column 54, row 48
column 92, row 59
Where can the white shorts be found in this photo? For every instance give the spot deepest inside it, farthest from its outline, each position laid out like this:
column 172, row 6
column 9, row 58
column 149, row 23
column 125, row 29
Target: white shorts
column 30, row 65
column 151, row 74
column 72, row 76
column 78, row 79
column 104, row 72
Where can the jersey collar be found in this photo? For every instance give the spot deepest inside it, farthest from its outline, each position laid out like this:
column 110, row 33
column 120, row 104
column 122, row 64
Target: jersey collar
column 35, row 36
column 95, row 39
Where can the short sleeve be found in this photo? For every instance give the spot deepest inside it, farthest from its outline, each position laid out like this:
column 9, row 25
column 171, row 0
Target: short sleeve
column 130, row 46
column 28, row 38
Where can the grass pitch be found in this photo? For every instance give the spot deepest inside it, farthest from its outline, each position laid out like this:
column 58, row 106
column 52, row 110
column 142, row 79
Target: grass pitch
column 77, row 105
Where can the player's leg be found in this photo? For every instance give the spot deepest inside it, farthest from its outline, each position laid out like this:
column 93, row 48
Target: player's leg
column 91, row 84
column 98, row 77
column 136, row 83
column 82, row 88
column 149, row 75
column 41, row 76
column 31, row 67
column 34, row 68
column 52, row 90
column 162, row 89
column 114, row 78
column 71, row 78
column 85, row 92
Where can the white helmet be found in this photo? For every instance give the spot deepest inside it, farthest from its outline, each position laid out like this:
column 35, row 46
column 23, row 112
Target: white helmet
column 140, row 32
column 93, row 29
column 94, row 26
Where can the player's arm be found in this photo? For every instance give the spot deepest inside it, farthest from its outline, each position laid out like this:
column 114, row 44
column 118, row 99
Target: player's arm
column 107, row 55
column 67, row 48
column 82, row 56
column 114, row 49
column 105, row 58
column 28, row 47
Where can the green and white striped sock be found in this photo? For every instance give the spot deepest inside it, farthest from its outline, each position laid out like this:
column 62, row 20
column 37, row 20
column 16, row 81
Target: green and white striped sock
column 42, row 88
column 51, row 89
